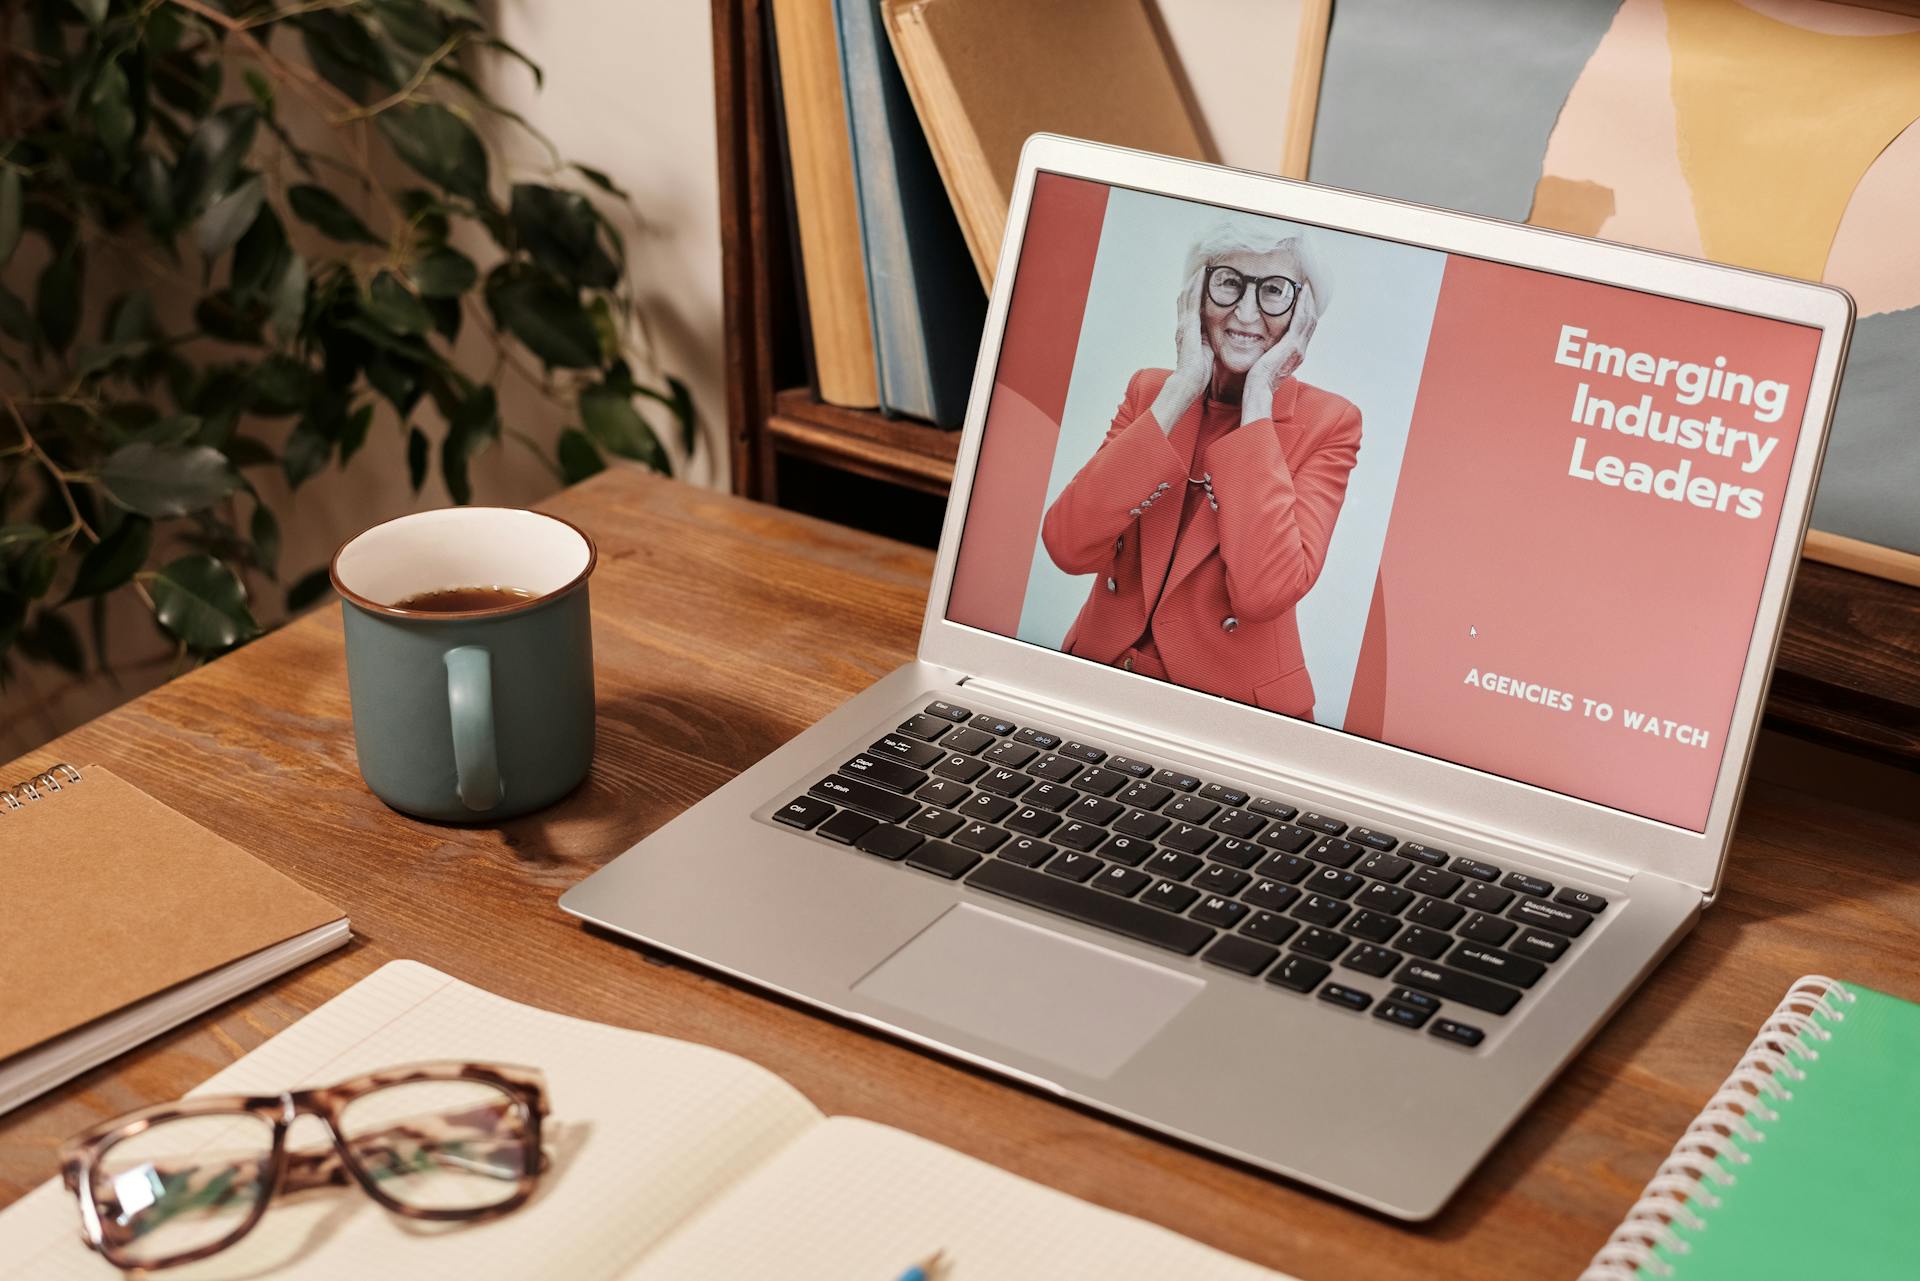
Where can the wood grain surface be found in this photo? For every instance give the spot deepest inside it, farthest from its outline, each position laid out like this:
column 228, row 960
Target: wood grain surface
column 722, row 628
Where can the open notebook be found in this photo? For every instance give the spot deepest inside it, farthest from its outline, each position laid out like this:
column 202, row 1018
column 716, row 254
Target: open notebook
column 670, row 1160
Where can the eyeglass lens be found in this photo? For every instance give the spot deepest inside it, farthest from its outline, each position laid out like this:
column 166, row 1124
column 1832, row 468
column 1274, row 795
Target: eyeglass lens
column 1274, row 294
column 440, row 1145
column 182, row 1185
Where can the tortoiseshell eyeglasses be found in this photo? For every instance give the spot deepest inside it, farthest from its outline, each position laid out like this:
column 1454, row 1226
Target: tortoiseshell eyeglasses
column 177, row 1182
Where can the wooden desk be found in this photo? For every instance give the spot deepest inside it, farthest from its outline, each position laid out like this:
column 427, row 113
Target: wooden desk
column 723, row 628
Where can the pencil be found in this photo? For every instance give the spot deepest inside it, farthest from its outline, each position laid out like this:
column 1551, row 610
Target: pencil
column 928, row 1269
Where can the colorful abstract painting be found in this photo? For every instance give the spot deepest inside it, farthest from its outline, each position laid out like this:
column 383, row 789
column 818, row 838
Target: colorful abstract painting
column 1782, row 135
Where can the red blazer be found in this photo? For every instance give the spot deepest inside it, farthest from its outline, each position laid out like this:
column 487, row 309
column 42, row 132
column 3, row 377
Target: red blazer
column 1224, row 621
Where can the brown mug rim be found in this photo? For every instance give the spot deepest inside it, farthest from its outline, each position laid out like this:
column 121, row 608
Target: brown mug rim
column 457, row 615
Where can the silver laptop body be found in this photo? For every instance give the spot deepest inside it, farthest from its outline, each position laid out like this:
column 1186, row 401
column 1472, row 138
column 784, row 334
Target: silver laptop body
column 1390, row 1115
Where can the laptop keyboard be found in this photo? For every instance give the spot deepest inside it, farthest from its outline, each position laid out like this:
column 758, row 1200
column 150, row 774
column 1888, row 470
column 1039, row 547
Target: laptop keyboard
column 1358, row 917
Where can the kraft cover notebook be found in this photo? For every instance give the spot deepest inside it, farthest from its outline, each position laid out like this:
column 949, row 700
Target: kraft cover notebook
column 1806, row 1161
column 124, row 918
column 669, row 1161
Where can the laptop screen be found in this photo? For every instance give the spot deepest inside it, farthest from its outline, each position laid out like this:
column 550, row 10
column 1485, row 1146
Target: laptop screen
column 1510, row 519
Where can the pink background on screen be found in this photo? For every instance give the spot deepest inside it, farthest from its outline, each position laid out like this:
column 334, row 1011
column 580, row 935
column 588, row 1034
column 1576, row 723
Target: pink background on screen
column 1618, row 596
column 1029, row 395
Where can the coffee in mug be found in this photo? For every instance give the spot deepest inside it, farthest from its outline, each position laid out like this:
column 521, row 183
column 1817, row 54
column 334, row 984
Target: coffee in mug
column 459, row 600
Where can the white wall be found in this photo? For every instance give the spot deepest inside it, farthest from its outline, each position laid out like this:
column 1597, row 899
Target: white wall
column 629, row 90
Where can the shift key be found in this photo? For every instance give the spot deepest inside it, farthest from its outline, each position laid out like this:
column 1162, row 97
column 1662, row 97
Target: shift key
column 866, row 798
column 1481, row 994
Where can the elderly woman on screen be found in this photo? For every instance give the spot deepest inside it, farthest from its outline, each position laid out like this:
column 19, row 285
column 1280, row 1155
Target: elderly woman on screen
column 1205, row 514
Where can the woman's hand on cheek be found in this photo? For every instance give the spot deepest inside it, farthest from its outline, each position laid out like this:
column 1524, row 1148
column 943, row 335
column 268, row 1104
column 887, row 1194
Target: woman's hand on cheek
column 1193, row 361
column 1282, row 358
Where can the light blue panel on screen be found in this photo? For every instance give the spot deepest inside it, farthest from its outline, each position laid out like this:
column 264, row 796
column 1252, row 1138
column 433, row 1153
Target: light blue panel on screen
column 1370, row 348
column 1449, row 104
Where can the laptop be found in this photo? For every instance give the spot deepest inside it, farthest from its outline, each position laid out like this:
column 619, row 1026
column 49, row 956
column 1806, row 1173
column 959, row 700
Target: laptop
column 1347, row 642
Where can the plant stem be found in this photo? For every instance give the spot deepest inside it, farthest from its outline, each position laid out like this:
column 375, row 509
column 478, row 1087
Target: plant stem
column 60, row 476
column 405, row 91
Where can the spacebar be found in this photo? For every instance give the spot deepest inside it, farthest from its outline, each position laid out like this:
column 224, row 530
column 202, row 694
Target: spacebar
column 1037, row 889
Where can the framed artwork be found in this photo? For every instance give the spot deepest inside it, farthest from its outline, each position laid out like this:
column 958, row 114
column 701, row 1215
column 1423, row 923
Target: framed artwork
column 1782, row 135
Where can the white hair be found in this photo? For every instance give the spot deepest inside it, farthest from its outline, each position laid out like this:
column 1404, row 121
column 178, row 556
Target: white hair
column 1244, row 233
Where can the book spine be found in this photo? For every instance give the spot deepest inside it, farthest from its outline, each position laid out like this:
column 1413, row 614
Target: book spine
column 54, row 779
column 1684, row 1189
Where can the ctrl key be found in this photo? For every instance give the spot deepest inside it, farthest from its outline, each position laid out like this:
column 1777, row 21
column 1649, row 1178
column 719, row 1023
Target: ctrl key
column 803, row 812
column 1458, row 1033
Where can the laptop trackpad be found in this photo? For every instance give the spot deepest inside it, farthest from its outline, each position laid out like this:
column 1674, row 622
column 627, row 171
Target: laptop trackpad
column 1071, row 1003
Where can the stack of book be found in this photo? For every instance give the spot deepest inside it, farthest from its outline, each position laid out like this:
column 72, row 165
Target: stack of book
column 903, row 122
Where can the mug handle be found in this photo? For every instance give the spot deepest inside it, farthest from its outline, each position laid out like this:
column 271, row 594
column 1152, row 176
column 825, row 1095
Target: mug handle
column 470, row 702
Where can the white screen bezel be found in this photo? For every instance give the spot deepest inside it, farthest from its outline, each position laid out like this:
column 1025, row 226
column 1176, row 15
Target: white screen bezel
column 1525, row 813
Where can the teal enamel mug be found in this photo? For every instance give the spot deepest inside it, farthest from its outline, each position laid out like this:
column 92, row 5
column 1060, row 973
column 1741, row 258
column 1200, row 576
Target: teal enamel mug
column 469, row 715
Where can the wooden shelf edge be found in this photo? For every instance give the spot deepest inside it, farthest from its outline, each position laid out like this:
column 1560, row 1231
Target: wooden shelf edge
column 898, row 450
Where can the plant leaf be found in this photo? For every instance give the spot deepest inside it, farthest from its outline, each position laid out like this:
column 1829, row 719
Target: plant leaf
column 265, row 529
column 444, row 273
column 320, row 208
column 600, row 179
column 439, row 146
column 311, row 587
column 680, row 400
column 13, row 611
column 57, row 299
column 616, row 426
column 214, row 152
column 130, row 318
column 354, row 433
column 417, row 458
column 94, row 11
column 545, row 314
column 112, row 109
column 228, row 218
column 167, row 480
column 307, row 452
column 113, row 560
column 288, row 305
column 11, row 204
column 261, row 257
column 51, row 639
column 152, row 189
column 579, row 458
column 203, row 602
column 16, row 322
column 280, row 384
column 562, row 231
column 175, row 429
column 393, row 305
column 539, row 76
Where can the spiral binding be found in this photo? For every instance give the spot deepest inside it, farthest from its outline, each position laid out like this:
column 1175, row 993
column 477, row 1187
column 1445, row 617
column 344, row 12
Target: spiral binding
column 1689, row 1180
column 54, row 778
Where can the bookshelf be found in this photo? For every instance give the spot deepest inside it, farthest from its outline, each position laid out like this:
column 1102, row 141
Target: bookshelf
column 1848, row 673
column 773, row 417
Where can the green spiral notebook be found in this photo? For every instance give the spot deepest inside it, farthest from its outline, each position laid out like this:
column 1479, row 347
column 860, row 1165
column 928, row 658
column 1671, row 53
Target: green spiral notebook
column 1806, row 1161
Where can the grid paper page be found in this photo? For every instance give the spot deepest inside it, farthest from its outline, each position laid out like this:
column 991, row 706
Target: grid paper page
column 855, row 1201
column 644, row 1129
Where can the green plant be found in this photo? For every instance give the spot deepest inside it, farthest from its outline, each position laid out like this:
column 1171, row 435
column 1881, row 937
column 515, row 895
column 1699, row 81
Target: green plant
column 157, row 146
